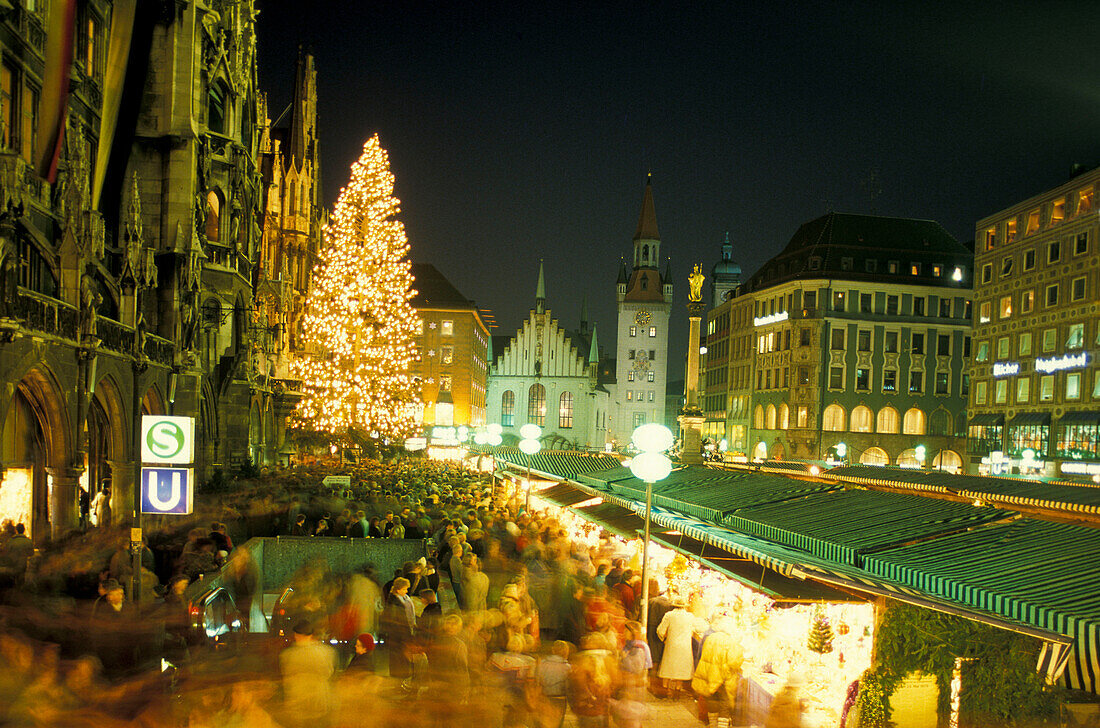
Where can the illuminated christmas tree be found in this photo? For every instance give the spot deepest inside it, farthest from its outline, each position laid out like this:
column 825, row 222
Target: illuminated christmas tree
column 821, row 635
column 359, row 325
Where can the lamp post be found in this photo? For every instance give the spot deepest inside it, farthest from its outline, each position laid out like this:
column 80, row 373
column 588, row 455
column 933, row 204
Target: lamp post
column 529, row 445
column 650, row 465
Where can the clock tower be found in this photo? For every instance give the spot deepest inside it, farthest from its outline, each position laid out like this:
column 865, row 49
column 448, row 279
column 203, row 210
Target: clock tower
column 644, row 299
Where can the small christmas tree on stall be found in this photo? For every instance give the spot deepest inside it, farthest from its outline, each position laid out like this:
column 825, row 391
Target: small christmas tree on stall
column 358, row 326
column 821, row 635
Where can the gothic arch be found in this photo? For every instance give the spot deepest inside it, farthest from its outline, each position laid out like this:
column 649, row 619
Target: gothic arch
column 44, row 395
column 153, row 403
column 109, row 396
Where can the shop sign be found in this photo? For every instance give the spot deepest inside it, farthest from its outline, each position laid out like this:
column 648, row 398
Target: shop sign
column 444, row 436
column 1006, row 368
column 167, row 491
column 1058, row 363
column 337, row 481
column 770, row 319
column 413, row 444
column 167, row 440
column 1078, row 468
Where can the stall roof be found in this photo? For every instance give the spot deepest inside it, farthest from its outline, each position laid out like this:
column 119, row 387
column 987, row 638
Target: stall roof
column 616, row 519
column 845, row 524
column 562, row 494
column 563, row 463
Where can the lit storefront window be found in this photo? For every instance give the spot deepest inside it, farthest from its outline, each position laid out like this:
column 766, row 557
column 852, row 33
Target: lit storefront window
column 1029, row 431
column 1078, row 440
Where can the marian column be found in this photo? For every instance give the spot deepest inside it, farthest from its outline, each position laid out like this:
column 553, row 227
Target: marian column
column 691, row 416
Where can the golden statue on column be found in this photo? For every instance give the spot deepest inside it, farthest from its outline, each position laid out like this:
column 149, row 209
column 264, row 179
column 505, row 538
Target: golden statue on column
column 695, row 282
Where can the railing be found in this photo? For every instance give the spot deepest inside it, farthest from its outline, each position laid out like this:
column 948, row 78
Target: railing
column 48, row 316
column 161, row 351
column 114, row 336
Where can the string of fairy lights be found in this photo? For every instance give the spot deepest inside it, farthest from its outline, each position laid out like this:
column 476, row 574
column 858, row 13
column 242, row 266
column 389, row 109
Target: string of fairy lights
column 359, row 325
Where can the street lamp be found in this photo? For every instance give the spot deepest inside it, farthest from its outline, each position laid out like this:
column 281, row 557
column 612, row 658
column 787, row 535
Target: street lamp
column 650, row 465
column 529, row 445
column 920, row 452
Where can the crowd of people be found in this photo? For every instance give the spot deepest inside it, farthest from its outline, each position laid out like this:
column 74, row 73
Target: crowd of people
column 507, row 621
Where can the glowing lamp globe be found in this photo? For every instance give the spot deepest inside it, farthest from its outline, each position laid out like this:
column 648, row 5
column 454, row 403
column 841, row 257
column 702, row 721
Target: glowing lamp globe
column 480, row 438
column 494, row 429
column 494, row 439
column 650, row 466
column 652, row 438
column 530, row 432
column 529, row 447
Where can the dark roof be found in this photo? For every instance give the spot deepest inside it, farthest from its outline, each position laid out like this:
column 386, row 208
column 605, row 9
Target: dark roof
column 500, row 342
column 647, row 221
column 433, row 290
column 838, row 237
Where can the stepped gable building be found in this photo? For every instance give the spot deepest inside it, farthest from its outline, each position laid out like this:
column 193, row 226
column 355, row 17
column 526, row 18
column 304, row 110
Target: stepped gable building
column 453, row 348
column 550, row 377
column 644, row 305
column 860, row 333
column 1035, row 378
column 131, row 224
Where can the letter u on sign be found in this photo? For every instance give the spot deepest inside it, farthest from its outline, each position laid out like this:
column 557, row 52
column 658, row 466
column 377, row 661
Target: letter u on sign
column 167, row 490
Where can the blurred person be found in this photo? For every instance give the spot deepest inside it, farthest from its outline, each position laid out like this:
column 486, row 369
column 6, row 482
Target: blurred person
column 373, row 529
column 202, row 560
column 552, row 675
column 16, row 670
column 340, row 526
column 357, row 527
column 399, row 622
column 432, row 608
column 192, row 544
column 324, row 526
column 112, row 630
column 516, row 671
column 398, row 528
column 449, row 659
column 387, row 524
column 677, row 628
column 572, row 618
column 241, row 578
column 659, row 606
column 786, row 707
column 454, row 568
column 629, row 709
column 299, row 527
column 718, row 673
column 388, row 586
column 101, row 507
column 365, row 595
column 475, row 583
column 16, row 553
column 590, row 682
column 220, row 536
column 635, row 659
column 307, row 667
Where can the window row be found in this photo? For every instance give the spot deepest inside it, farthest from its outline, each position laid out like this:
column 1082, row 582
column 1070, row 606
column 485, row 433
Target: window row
column 1055, row 252
column 446, row 328
column 836, row 419
column 632, row 375
column 536, row 408
column 1001, row 347
column 864, row 376
column 840, row 340
column 1021, row 390
column 1052, row 295
column 1044, row 216
column 1076, row 441
column 652, row 331
column 640, row 395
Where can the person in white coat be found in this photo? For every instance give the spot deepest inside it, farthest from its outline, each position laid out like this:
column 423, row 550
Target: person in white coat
column 676, row 630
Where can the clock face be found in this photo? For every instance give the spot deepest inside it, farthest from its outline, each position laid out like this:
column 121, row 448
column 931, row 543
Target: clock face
column 642, row 318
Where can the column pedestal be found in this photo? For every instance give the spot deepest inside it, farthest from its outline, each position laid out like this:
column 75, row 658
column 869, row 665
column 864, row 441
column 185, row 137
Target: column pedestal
column 691, row 417
column 691, row 427
column 64, row 506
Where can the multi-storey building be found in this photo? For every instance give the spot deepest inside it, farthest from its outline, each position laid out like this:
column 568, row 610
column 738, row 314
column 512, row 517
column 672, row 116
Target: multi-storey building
column 452, row 362
column 644, row 304
column 130, row 206
column 718, row 337
column 1035, row 392
column 728, row 401
column 860, row 332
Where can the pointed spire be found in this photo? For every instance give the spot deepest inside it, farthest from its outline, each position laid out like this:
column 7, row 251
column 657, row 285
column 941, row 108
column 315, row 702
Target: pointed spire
column 668, row 271
column 622, row 272
column 540, row 292
column 594, row 349
column 647, row 221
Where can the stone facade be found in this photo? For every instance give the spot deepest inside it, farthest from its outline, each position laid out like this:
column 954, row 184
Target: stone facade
column 132, row 283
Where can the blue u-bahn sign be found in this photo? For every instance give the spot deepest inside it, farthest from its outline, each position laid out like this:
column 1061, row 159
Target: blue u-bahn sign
column 167, row 491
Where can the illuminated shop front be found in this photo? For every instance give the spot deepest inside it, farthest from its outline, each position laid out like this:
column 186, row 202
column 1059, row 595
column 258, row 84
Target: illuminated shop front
column 1029, row 431
column 986, row 433
column 1078, row 436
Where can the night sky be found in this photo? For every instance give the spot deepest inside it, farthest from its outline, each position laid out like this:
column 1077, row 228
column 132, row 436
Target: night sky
column 520, row 131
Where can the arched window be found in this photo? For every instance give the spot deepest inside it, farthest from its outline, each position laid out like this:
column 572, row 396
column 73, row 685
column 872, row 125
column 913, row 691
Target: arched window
column 861, row 419
column 645, row 253
column 290, row 190
column 948, row 460
column 784, row 417
column 213, row 216
column 565, row 410
column 908, row 459
column 832, row 419
column 769, row 417
column 760, row 452
column 35, row 272
column 217, row 108
column 536, row 405
column 508, row 408
column 874, row 456
column 914, row 422
column 887, row 421
column 758, row 418
column 940, row 423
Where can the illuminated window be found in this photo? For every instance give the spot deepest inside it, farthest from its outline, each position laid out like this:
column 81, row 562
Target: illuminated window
column 937, row 270
column 447, row 355
column 447, row 328
column 769, row 417
column 633, row 330
column 1096, row 386
column 536, row 405
column 91, row 32
column 8, row 117
column 1058, row 211
column 652, row 332
column 1006, row 307
column 981, row 392
column 1027, row 301
column 651, row 396
column 650, row 377
column 630, row 395
column 1032, row 222
column 863, row 379
column 916, row 382
column 861, row 419
column 1025, row 343
column 1084, row 201
column 838, row 301
column 445, row 383
column 1023, row 390
column 1050, row 340
column 212, row 228
column 914, row 269
column 990, row 238
column 890, row 381
column 1000, row 391
column 758, row 417
column 1046, row 388
column 1076, row 337
column 982, row 353
column 1077, row 289
column 630, row 376
column 893, row 266
column 832, row 419
column 1081, row 244
column 913, row 423
column 565, row 410
column 1052, row 295
column 803, row 417
column 1010, row 230
column 887, row 421
column 1054, row 251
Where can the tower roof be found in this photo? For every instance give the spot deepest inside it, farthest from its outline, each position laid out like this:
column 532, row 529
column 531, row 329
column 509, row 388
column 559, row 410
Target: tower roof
column 622, row 272
column 593, row 349
column 540, row 291
column 647, row 221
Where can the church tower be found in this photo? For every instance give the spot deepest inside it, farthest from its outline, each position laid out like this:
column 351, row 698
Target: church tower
column 644, row 302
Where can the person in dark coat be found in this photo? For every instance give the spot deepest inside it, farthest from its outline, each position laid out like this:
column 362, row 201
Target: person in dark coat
column 659, row 606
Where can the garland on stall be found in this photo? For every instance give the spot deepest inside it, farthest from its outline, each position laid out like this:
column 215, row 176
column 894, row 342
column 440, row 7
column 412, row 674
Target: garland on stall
column 1000, row 685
